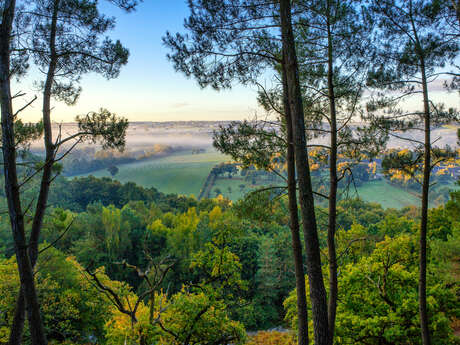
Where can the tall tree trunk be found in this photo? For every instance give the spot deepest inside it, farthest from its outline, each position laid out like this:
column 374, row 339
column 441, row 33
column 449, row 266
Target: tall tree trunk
column 425, row 332
column 302, row 312
column 424, row 221
column 17, row 327
column 18, row 320
column 333, row 181
column 11, row 182
column 49, row 146
column 314, row 271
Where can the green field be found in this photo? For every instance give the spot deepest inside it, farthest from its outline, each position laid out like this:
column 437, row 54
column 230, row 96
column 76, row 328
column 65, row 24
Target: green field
column 181, row 173
column 185, row 173
column 380, row 192
column 386, row 194
column 390, row 196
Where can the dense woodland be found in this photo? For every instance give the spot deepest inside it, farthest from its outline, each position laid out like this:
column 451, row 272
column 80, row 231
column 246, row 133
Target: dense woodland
column 94, row 261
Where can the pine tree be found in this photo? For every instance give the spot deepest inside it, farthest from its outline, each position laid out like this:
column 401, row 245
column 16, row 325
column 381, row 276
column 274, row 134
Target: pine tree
column 334, row 53
column 63, row 38
column 307, row 206
column 229, row 41
column 11, row 177
column 416, row 46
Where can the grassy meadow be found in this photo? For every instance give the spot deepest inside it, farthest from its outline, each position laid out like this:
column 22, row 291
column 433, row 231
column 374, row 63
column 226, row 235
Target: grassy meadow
column 391, row 196
column 384, row 193
column 185, row 173
column 181, row 173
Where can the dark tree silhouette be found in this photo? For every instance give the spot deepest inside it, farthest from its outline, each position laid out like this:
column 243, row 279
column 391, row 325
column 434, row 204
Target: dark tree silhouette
column 113, row 170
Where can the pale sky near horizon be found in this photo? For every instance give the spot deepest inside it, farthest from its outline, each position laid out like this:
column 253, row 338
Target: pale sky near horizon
column 148, row 88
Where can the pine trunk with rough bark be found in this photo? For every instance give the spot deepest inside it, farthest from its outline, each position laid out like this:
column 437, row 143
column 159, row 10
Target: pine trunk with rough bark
column 333, row 183
column 424, row 321
column 302, row 312
column 18, row 320
column 314, row 270
column 12, row 188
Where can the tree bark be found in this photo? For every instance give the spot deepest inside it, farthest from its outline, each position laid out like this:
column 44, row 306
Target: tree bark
column 18, row 320
column 424, row 221
column 302, row 312
column 17, row 327
column 314, row 271
column 333, row 182
column 424, row 329
column 49, row 146
column 11, row 182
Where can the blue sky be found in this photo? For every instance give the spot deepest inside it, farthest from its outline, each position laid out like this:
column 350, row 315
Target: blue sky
column 148, row 88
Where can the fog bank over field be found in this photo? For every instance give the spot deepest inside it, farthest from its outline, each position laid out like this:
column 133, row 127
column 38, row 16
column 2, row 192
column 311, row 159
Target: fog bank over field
column 198, row 134
column 440, row 137
column 143, row 135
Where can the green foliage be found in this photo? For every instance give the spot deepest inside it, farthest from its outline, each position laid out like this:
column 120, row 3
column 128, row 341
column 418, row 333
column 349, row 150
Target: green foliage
column 453, row 205
column 72, row 308
column 105, row 127
column 380, row 302
column 25, row 133
column 220, row 267
column 250, row 143
column 440, row 225
column 194, row 317
column 78, row 193
column 226, row 41
column 9, row 284
column 378, row 298
column 198, row 312
column 233, row 260
column 115, row 230
column 232, row 263
column 79, row 46
column 120, row 329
